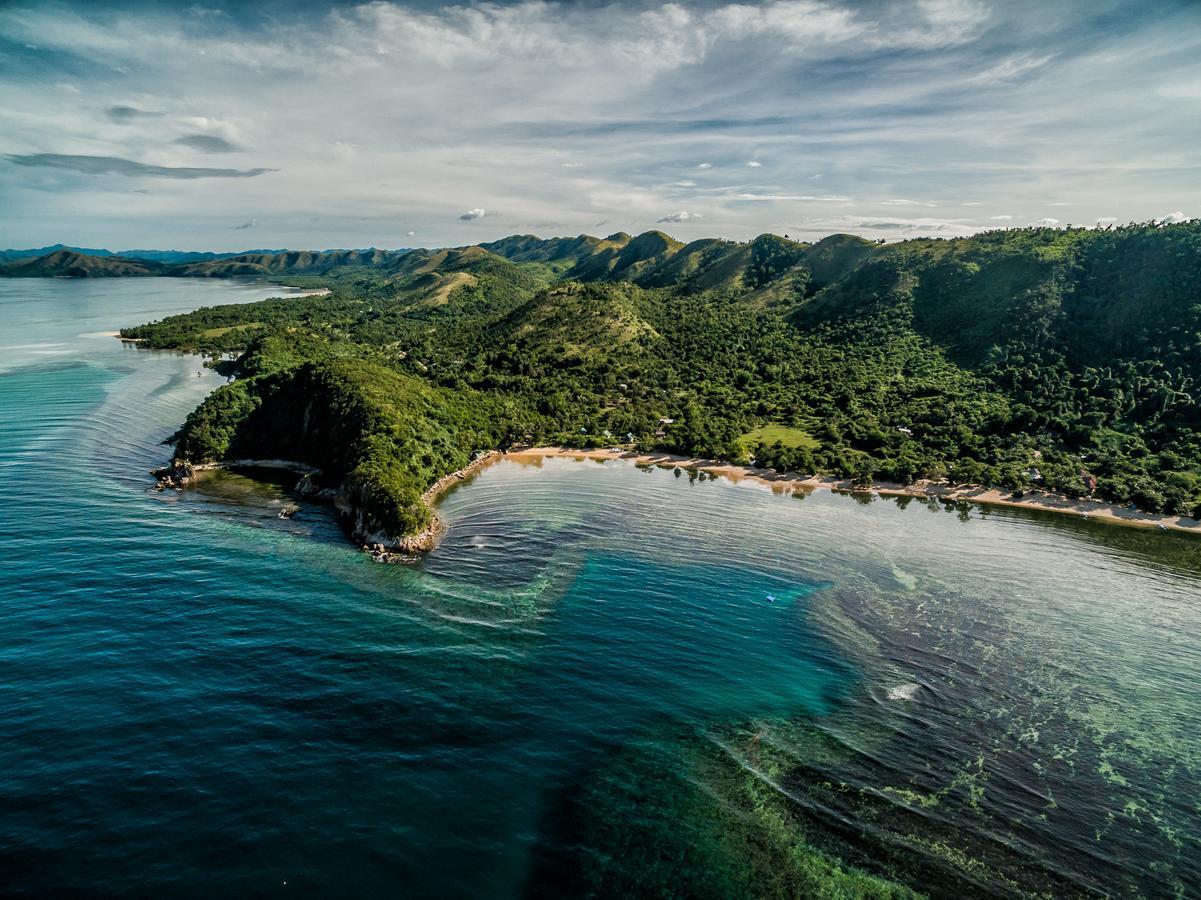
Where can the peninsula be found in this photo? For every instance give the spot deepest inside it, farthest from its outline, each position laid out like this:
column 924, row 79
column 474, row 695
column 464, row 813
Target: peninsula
column 1058, row 360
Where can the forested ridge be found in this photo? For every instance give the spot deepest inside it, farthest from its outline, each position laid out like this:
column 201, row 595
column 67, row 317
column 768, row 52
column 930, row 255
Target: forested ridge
column 1065, row 359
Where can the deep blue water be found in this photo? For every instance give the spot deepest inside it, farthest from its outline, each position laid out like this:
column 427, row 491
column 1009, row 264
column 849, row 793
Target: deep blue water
column 197, row 696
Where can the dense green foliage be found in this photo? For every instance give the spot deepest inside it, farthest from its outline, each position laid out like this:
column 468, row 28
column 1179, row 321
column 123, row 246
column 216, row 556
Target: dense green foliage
column 383, row 435
column 1033, row 357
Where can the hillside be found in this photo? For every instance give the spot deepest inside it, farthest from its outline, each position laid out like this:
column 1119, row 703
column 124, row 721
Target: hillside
column 175, row 263
column 381, row 436
column 579, row 321
column 78, row 265
column 33, row 253
column 185, row 256
column 289, row 262
column 564, row 251
column 1059, row 359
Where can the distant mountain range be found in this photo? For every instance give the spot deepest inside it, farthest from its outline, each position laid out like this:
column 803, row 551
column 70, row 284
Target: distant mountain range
column 80, row 259
column 6, row 255
column 651, row 259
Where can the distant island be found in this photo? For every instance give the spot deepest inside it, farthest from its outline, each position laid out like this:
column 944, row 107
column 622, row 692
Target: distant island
column 1064, row 361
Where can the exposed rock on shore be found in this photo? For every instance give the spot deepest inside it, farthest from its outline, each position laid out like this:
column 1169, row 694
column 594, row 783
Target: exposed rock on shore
column 352, row 506
column 178, row 474
column 407, row 548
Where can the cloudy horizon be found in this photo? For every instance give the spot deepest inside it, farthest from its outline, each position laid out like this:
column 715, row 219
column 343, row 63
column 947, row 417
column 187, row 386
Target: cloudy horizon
column 388, row 124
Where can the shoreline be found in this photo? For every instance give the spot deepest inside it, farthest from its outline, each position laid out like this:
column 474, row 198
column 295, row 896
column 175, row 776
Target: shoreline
column 178, row 473
column 408, row 548
column 1044, row 501
column 392, row 549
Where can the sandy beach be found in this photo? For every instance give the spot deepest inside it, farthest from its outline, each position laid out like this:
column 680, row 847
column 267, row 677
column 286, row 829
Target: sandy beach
column 1099, row 510
column 409, row 547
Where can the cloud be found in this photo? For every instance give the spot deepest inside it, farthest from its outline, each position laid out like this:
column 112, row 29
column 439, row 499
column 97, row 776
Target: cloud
column 478, row 213
column 754, row 164
column 1107, row 220
column 705, row 166
column 1046, row 223
column 763, row 198
column 1012, row 67
column 682, row 216
column 206, row 143
column 1173, row 218
column 410, row 233
column 130, row 113
column 902, row 225
column 247, row 224
column 489, row 100
column 1000, row 218
column 766, row 198
column 900, row 201
column 884, row 226
column 112, row 165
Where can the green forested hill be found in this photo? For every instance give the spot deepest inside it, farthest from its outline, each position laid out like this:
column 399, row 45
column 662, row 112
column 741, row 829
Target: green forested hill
column 1018, row 358
column 380, row 434
column 80, row 265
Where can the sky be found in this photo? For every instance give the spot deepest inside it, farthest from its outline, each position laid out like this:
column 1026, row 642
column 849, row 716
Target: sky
column 220, row 126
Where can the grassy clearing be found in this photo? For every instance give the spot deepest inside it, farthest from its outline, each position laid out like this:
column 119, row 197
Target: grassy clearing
column 217, row 332
column 770, row 434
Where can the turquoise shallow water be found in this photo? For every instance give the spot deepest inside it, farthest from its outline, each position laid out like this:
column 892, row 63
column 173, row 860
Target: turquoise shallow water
column 586, row 689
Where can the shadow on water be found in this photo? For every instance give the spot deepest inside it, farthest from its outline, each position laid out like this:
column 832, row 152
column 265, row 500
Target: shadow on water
column 263, row 498
column 1147, row 544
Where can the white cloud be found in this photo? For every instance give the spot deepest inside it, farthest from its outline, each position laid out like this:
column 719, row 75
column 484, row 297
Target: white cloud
column 477, row 213
column 799, row 22
column 885, row 226
column 705, row 166
column 747, row 195
column 900, row 201
column 754, row 164
column 1182, row 90
column 682, row 216
column 1000, row 218
column 1010, row 68
column 1174, row 218
column 1046, row 223
column 767, row 198
column 221, row 128
column 495, row 102
column 1107, row 220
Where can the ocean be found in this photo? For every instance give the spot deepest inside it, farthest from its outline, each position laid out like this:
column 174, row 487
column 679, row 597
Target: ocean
column 608, row 680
